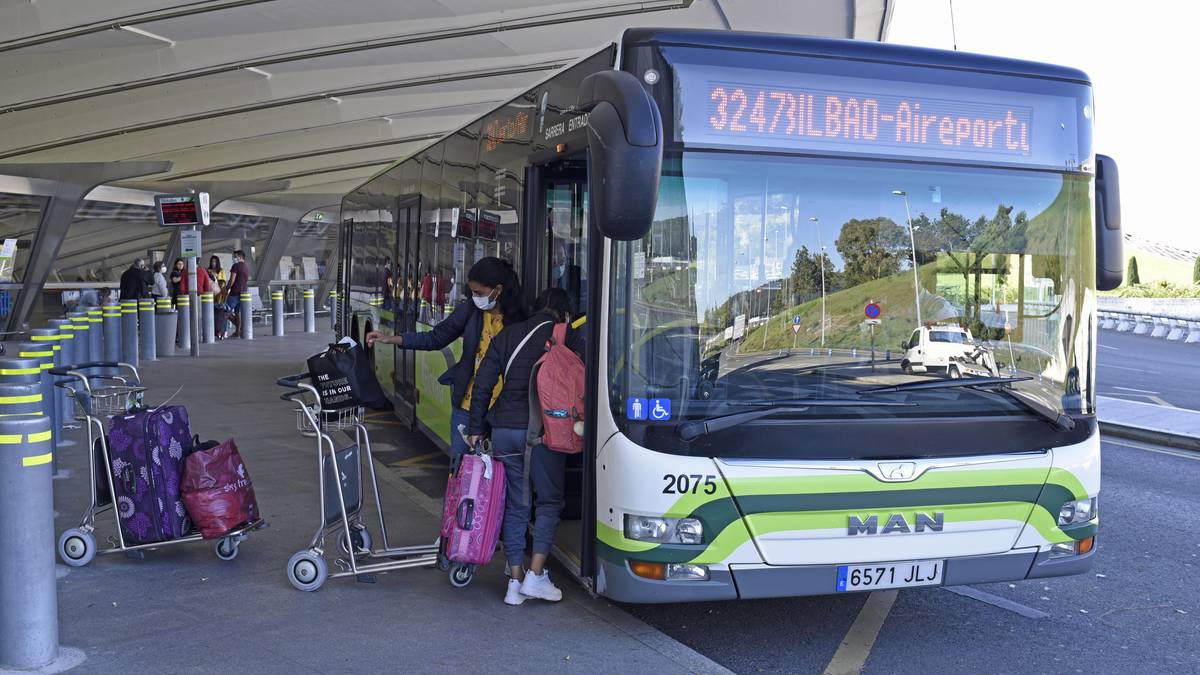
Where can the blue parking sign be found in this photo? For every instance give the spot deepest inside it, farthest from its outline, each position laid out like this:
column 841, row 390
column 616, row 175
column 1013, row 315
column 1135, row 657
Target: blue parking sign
column 636, row 408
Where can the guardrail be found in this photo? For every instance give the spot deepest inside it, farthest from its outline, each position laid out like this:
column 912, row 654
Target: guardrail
column 1173, row 328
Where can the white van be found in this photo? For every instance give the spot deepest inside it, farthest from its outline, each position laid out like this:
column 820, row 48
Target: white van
column 947, row 349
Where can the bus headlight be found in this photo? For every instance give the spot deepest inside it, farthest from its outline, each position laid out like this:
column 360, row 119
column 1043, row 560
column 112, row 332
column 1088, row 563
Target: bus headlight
column 664, row 530
column 1077, row 511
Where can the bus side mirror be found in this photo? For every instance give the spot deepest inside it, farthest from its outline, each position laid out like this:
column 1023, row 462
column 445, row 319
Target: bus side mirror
column 1109, row 242
column 625, row 146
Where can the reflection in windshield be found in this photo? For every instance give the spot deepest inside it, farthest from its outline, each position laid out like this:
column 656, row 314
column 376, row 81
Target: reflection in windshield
column 784, row 277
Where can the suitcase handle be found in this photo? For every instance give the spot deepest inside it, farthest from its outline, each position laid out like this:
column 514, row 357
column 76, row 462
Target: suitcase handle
column 466, row 513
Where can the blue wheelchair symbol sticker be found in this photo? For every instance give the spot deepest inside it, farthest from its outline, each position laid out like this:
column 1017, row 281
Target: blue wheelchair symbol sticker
column 660, row 409
column 636, row 408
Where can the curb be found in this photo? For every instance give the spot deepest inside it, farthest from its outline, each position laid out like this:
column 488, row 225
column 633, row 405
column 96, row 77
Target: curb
column 1155, row 436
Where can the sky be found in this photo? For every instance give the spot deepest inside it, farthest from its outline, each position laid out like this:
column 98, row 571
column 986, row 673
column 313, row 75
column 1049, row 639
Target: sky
column 1137, row 55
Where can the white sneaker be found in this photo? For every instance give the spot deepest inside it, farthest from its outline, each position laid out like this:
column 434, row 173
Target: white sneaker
column 513, row 596
column 541, row 587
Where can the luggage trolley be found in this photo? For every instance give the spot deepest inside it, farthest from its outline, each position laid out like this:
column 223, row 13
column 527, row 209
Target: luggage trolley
column 98, row 397
column 339, row 476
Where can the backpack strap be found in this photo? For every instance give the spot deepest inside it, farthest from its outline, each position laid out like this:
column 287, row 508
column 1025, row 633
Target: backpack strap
column 521, row 345
column 559, row 336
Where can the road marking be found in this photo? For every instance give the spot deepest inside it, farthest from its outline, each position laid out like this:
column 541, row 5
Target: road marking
column 851, row 656
column 1159, row 401
column 1107, row 347
column 1109, row 365
column 418, row 459
column 1162, row 451
column 1144, row 391
column 997, row 601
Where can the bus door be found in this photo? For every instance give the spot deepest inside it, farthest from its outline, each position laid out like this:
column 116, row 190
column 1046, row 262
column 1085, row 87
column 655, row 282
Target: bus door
column 404, row 302
column 558, row 258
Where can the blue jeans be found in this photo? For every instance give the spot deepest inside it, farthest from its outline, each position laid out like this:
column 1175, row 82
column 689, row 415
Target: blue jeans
column 508, row 447
column 458, row 444
column 547, row 477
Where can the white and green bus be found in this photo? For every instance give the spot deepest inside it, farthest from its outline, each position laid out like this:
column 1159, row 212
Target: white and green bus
column 756, row 226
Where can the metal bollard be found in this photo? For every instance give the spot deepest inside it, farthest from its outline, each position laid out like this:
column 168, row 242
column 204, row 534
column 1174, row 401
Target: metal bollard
column 207, row 330
column 333, row 309
column 183, row 328
column 310, row 310
column 246, row 317
column 165, row 321
column 277, row 313
column 129, row 332
column 66, row 357
column 95, row 320
column 112, row 332
column 146, row 342
column 83, row 340
column 47, row 339
column 28, row 590
column 43, row 402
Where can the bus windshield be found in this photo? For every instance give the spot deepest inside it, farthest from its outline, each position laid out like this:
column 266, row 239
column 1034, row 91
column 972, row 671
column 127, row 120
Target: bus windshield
column 770, row 278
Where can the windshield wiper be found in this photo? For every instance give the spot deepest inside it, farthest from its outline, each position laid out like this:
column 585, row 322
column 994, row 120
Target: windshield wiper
column 691, row 430
column 1060, row 420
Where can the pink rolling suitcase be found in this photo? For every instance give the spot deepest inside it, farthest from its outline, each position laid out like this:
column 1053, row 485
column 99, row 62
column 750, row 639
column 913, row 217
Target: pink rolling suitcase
column 471, row 515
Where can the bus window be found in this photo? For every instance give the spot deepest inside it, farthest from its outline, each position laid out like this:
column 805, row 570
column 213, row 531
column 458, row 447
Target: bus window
column 566, row 246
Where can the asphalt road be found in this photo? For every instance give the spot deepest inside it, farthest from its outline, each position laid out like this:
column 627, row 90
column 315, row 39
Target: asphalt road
column 1137, row 611
column 1150, row 370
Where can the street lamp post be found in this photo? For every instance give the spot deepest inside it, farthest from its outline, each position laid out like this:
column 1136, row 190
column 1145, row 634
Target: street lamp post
column 822, row 263
column 912, row 242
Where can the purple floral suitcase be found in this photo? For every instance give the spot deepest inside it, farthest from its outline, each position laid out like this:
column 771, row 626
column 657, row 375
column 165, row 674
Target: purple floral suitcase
column 145, row 453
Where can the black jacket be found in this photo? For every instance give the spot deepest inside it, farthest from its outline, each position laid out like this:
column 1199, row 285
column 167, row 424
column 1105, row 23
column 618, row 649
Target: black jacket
column 133, row 285
column 466, row 321
column 511, row 410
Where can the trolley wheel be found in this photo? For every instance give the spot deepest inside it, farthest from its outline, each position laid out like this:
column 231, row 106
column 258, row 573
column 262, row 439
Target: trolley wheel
column 76, row 547
column 307, row 570
column 461, row 575
column 227, row 548
column 359, row 536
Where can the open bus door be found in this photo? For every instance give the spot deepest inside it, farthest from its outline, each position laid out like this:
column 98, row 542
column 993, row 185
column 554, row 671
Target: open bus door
column 404, row 306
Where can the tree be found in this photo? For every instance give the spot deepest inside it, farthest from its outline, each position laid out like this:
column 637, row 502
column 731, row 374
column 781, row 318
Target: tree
column 1131, row 274
column 871, row 249
column 1196, row 272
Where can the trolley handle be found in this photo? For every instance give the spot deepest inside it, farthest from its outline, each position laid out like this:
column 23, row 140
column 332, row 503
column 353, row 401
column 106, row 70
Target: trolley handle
column 291, row 395
column 291, row 381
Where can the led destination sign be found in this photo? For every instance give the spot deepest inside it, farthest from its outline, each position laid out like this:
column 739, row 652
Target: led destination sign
column 182, row 210
column 725, row 106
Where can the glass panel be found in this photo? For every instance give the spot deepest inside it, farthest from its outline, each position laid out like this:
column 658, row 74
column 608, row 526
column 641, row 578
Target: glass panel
column 19, row 217
column 757, row 281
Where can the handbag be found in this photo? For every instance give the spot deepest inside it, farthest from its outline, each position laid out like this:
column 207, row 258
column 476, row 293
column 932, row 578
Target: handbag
column 344, row 378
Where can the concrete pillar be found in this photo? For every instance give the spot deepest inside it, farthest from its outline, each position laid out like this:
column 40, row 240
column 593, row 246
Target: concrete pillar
column 1108, row 321
column 165, row 323
column 1178, row 331
column 1125, row 324
column 183, row 329
column 277, row 318
column 1143, row 325
column 246, row 317
column 207, row 331
column 28, row 588
column 310, row 310
column 129, row 332
column 146, row 342
column 1193, row 335
column 112, row 332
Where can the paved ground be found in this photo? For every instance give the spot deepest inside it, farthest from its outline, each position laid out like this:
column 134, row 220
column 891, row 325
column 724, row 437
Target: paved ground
column 1150, row 370
column 182, row 610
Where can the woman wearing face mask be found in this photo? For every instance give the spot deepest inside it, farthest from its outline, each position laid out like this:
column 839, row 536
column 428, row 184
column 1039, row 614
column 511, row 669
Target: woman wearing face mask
column 493, row 302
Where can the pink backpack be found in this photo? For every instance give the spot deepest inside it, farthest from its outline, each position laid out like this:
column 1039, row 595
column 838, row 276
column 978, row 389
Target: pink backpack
column 556, row 396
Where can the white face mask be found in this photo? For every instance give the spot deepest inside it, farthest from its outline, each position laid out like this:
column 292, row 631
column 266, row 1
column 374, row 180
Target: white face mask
column 485, row 303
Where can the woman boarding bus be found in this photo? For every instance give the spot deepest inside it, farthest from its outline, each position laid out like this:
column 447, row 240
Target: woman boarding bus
column 495, row 302
column 508, row 364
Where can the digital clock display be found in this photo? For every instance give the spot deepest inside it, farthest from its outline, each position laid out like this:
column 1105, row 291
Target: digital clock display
column 725, row 106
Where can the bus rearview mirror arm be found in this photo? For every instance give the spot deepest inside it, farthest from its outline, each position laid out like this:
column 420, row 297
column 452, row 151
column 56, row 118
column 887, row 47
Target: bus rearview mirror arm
column 1110, row 244
column 625, row 145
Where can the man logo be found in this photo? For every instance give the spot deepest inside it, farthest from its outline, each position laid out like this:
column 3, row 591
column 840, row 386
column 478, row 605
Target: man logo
column 896, row 523
column 897, row 470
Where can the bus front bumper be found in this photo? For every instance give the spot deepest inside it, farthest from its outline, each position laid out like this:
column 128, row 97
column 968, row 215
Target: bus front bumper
column 616, row 581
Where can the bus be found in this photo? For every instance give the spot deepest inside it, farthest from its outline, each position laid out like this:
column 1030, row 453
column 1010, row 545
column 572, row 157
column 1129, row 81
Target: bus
column 755, row 225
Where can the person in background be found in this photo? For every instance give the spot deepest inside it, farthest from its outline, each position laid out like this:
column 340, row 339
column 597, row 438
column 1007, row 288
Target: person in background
column 203, row 283
column 509, row 364
column 159, row 287
column 133, row 282
column 178, row 272
column 494, row 301
column 239, row 282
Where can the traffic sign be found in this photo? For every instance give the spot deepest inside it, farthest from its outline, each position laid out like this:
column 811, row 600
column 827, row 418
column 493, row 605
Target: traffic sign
column 795, row 328
column 872, row 310
column 796, row 320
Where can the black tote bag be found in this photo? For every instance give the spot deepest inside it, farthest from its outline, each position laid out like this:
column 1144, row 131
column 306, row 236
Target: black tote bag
column 344, row 379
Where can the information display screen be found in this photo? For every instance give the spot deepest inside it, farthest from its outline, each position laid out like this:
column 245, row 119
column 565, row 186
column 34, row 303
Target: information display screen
column 726, row 106
column 182, row 210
